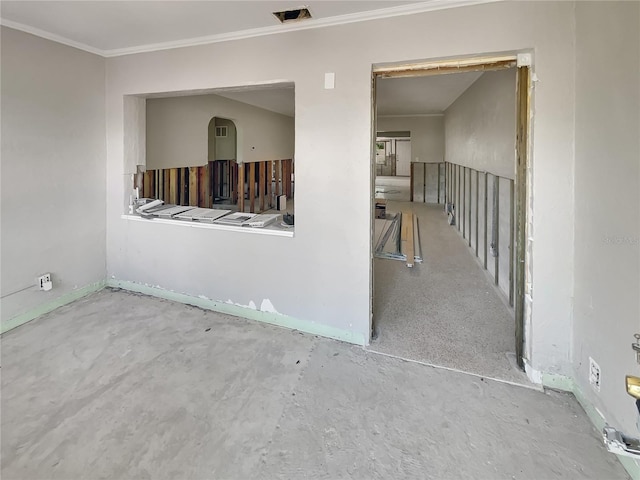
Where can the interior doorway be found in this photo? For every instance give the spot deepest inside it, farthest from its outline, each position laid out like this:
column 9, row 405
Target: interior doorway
column 461, row 304
column 222, row 161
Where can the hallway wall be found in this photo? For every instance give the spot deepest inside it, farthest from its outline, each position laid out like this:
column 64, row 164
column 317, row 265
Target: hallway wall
column 480, row 137
column 480, row 126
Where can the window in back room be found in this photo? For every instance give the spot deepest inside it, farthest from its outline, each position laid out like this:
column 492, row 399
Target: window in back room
column 227, row 150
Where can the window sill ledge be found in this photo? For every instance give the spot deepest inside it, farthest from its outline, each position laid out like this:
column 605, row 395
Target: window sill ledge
column 273, row 230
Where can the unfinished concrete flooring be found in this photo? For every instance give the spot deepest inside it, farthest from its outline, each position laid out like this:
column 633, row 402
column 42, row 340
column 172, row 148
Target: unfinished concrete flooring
column 444, row 311
column 120, row 386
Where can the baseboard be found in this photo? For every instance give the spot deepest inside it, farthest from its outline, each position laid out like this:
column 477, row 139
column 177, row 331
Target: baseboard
column 244, row 312
column 568, row 384
column 32, row 314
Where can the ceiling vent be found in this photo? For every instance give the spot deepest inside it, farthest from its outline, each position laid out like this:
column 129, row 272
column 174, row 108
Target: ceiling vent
column 287, row 16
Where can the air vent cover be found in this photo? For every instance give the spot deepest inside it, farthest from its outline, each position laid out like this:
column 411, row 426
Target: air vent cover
column 301, row 13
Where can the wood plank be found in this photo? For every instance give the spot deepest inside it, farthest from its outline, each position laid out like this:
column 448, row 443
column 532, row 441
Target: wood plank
column 147, row 184
column 288, row 178
column 173, row 185
column 193, row 186
column 166, row 182
column 269, row 183
column 252, row 187
column 234, row 181
column 407, row 230
column 240, row 189
column 262, row 183
column 278, row 189
column 203, row 186
column 184, row 183
column 160, row 184
column 285, row 178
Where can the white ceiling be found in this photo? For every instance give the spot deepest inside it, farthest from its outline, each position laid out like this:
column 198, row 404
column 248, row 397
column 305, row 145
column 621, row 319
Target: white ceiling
column 112, row 28
column 277, row 98
column 431, row 94
column 119, row 27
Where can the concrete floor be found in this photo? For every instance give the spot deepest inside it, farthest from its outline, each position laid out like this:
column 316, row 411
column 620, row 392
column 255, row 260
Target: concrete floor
column 118, row 386
column 393, row 188
column 444, row 311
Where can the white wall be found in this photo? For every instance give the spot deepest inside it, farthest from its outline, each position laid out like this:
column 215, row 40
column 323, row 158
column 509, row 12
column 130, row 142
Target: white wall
column 480, row 133
column 326, row 265
column 607, row 199
column 427, row 135
column 178, row 130
column 480, row 126
column 53, row 170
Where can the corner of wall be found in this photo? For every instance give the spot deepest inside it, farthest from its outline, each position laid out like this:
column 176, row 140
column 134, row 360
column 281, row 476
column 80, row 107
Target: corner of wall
column 72, row 296
column 568, row 384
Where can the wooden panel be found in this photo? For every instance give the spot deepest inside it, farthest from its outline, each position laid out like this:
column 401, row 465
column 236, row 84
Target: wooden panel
column 203, row 186
column 252, row 187
column 234, row 182
column 193, row 186
column 240, row 188
column 148, row 184
column 173, row 186
column 269, row 181
column 278, row 189
column 184, row 186
column 262, row 183
column 287, row 177
column 166, row 183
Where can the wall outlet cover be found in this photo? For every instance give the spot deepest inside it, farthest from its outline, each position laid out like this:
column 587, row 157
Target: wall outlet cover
column 44, row 282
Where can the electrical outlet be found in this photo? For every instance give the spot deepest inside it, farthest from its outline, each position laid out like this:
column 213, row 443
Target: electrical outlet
column 594, row 374
column 44, row 282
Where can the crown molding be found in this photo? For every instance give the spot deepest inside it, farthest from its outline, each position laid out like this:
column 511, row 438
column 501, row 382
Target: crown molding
column 401, row 10
column 407, row 115
column 51, row 36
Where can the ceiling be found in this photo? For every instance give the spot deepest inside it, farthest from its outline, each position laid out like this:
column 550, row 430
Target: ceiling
column 111, row 28
column 278, row 98
column 427, row 95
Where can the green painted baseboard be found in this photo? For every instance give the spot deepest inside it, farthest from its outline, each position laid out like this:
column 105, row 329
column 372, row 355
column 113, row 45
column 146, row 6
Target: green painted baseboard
column 567, row 384
column 72, row 296
column 244, row 312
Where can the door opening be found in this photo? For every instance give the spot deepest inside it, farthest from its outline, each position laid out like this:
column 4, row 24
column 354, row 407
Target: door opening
column 464, row 178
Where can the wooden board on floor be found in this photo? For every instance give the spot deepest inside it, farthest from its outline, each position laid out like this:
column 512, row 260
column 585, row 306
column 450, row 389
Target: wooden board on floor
column 406, row 238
